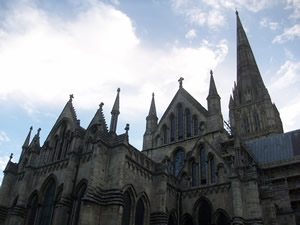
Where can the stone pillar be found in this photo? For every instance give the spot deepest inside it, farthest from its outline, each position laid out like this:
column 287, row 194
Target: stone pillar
column 16, row 216
column 90, row 214
column 238, row 213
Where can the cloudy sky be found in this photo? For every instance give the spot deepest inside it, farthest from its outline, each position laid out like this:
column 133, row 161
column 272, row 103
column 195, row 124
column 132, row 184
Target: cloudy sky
column 89, row 48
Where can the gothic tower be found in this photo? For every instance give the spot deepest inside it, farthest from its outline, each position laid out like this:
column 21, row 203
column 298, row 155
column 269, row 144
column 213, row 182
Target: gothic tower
column 251, row 112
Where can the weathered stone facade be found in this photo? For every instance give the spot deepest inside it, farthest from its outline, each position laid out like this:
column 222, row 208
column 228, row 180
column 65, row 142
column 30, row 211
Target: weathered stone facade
column 191, row 171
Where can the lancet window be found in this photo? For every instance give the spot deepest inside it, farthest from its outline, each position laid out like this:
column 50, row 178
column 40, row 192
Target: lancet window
column 172, row 120
column 202, row 165
column 180, row 122
column 195, row 169
column 178, row 162
column 47, row 207
column 195, row 126
column 126, row 209
column 139, row 213
column 188, row 123
column 212, row 170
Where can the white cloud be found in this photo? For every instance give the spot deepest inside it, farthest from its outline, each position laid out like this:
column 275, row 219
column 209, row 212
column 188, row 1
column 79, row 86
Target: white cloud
column 287, row 75
column 295, row 6
column 266, row 23
column 288, row 34
column 4, row 137
column 290, row 112
column 45, row 58
column 191, row 34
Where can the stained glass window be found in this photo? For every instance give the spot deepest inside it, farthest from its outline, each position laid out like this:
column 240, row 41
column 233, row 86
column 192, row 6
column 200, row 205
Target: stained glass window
column 195, row 125
column 178, row 162
column 172, row 128
column 188, row 123
column 126, row 209
column 139, row 213
column 212, row 170
column 180, row 122
column 195, row 169
column 47, row 205
column 32, row 211
column 202, row 166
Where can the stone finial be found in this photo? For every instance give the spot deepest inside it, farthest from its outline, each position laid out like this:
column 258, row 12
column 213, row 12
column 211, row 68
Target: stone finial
column 38, row 131
column 71, row 97
column 127, row 128
column 118, row 90
column 101, row 105
column 11, row 156
column 180, row 82
column 211, row 72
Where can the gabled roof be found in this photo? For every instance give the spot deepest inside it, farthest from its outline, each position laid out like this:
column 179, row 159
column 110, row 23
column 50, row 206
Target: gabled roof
column 99, row 119
column 189, row 98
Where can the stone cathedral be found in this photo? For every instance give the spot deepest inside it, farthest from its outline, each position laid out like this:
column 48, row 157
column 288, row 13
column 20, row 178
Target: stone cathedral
column 194, row 168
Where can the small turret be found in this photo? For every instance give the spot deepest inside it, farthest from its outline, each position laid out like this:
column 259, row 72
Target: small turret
column 151, row 125
column 213, row 98
column 115, row 113
column 215, row 118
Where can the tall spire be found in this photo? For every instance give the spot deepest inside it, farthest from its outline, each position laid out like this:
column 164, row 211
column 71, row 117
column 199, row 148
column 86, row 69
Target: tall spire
column 152, row 111
column 246, row 64
column 212, row 86
column 27, row 140
column 151, row 126
column 115, row 113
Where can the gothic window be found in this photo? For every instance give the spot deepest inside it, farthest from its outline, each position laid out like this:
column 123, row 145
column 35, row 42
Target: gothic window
column 47, row 205
column 256, row 122
column 202, row 166
column 204, row 213
column 62, row 142
column 170, row 167
column 180, row 122
column 188, row 123
column 212, row 170
column 246, row 125
column 126, row 209
column 166, row 134
column 195, row 126
column 55, row 148
column 77, row 204
column 178, row 162
column 139, row 213
column 32, row 211
column 171, row 220
column 222, row 219
column 195, row 169
column 172, row 128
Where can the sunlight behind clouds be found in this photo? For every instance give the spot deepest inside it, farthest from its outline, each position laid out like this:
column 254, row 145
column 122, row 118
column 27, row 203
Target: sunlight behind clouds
column 91, row 56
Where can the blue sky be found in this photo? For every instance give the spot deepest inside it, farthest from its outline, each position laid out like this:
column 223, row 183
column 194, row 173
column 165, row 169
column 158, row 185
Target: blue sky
column 89, row 48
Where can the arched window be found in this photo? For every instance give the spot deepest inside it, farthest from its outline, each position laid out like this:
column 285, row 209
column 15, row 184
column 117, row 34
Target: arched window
column 204, row 213
column 55, row 148
column 188, row 123
column 139, row 213
column 77, row 204
column 256, row 122
column 171, row 220
column 246, row 125
column 202, row 166
column 178, row 162
column 172, row 120
column 195, row 126
column 195, row 169
column 180, row 122
column 62, row 142
column 47, row 205
column 126, row 209
column 212, row 170
column 32, row 211
column 222, row 219
column 187, row 220
column 166, row 134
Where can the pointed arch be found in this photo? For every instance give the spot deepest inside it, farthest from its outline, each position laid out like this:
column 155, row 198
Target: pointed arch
column 221, row 217
column 178, row 160
column 47, row 201
column 187, row 219
column 129, row 200
column 180, row 121
column 203, row 165
column 188, row 123
column 195, row 125
column 32, row 208
column 165, row 134
column 212, row 168
column 142, row 210
column 172, row 219
column 79, row 193
column 173, row 127
column 203, row 211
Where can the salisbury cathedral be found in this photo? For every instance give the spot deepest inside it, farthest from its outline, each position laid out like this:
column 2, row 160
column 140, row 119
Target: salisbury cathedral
column 194, row 168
